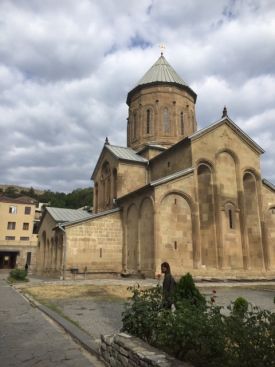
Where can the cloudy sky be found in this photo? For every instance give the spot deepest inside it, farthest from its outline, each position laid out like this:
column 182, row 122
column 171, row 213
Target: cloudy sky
column 66, row 67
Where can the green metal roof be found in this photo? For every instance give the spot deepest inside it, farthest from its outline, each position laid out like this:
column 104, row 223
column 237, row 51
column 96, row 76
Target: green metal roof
column 67, row 215
column 127, row 154
column 163, row 72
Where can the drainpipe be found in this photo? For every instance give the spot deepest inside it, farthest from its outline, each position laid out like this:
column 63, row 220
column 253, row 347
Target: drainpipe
column 64, row 254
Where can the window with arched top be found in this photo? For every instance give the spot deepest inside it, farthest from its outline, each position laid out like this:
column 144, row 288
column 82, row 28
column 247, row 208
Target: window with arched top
column 181, row 123
column 134, row 126
column 231, row 215
column 166, row 121
column 148, row 120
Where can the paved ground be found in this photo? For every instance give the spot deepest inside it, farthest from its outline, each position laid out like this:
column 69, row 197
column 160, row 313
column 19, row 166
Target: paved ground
column 28, row 338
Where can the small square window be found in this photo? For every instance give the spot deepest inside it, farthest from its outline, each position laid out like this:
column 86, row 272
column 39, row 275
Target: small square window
column 26, row 226
column 11, row 225
column 27, row 210
column 10, row 238
column 24, row 238
column 12, row 209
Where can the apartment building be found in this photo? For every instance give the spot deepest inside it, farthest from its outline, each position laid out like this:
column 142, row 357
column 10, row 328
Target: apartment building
column 18, row 244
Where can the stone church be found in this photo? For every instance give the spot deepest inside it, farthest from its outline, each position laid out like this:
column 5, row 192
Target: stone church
column 194, row 198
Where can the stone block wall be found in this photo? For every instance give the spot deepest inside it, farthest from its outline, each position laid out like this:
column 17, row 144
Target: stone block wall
column 121, row 350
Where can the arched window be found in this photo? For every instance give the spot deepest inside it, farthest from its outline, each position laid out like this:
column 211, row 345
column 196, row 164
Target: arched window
column 166, row 122
column 134, row 125
column 181, row 123
column 114, row 183
column 148, row 121
column 231, row 215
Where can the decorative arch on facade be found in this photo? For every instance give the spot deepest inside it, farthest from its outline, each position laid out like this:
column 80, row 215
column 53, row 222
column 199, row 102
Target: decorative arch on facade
column 146, row 235
column 207, row 215
column 252, row 220
column 106, row 183
column 114, row 183
column 176, row 231
column 270, row 235
column 132, row 238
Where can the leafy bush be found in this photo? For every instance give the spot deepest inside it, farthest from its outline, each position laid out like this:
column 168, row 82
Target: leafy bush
column 140, row 316
column 186, row 290
column 18, row 274
column 202, row 333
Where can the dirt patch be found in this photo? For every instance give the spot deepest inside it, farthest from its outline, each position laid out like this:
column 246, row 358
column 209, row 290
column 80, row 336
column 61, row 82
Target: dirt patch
column 46, row 292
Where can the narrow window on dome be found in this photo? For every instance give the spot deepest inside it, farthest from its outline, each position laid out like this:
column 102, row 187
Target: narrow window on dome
column 166, row 122
column 134, row 125
column 181, row 124
column 148, row 121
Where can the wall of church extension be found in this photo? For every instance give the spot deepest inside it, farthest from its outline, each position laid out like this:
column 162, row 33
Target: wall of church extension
column 132, row 232
column 139, row 233
column 130, row 177
column 50, row 248
column 95, row 245
column 146, row 236
column 207, row 217
column 269, row 226
column 177, row 225
column 230, row 253
column 175, row 159
column 162, row 114
column 252, row 221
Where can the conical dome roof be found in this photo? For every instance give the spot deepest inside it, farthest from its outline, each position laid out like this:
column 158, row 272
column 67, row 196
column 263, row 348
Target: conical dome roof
column 163, row 72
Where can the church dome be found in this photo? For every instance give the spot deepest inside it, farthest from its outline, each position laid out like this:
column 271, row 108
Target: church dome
column 161, row 72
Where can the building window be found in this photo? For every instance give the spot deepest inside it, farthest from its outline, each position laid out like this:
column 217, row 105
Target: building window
column 231, row 215
column 100, row 252
column 12, row 209
column 27, row 210
column 166, row 122
column 11, row 225
column 24, row 238
column 26, row 226
column 148, row 121
column 230, row 218
column 134, row 125
column 181, row 123
column 10, row 238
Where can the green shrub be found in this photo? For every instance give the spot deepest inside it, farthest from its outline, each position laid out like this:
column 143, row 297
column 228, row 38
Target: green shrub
column 186, row 290
column 240, row 306
column 18, row 274
column 203, row 336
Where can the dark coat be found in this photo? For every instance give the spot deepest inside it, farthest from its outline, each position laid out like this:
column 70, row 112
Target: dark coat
column 169, row 286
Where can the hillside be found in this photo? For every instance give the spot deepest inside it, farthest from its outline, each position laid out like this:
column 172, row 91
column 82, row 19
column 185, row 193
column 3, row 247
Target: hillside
column 78, row 198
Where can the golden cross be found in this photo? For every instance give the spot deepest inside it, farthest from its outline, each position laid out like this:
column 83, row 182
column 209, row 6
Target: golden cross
column 162, row 48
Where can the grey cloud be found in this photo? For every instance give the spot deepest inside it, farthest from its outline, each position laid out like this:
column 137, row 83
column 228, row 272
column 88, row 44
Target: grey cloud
column 66, row 68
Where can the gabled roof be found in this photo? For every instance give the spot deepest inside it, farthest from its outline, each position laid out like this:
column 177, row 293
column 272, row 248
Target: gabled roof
column 125, row 153
column 161, row 73
column 92, row 216
column 226, row 120
column 268, row 184
column 121, row 153
column 61, row 215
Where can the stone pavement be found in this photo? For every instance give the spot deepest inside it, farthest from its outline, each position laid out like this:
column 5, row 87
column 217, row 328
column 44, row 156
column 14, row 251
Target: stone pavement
column 28, row 338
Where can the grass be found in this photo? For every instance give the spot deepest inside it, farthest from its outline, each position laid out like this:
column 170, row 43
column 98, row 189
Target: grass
column 47, row 292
